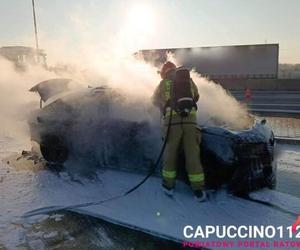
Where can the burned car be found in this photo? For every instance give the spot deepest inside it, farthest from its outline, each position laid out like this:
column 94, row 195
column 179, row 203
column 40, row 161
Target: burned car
column 97, row 124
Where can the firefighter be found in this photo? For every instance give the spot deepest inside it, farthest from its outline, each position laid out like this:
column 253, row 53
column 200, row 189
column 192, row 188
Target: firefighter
column 176, row 96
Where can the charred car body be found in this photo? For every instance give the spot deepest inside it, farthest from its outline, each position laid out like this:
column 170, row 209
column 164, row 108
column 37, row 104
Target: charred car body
column 93, row 123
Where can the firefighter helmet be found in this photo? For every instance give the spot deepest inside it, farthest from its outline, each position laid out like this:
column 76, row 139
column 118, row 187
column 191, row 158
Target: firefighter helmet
column 166, row 68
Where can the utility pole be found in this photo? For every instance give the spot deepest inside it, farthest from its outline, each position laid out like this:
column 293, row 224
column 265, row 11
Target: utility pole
column 35, row 32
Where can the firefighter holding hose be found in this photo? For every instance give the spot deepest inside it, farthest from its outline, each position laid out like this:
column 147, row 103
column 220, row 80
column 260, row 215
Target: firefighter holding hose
column 176, row 97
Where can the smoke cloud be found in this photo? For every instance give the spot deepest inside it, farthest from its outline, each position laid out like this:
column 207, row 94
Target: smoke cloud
column 108, row 62
column 16, row 102
column 135, row 79
column 216, row 105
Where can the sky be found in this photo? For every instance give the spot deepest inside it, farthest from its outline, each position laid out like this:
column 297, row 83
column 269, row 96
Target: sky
column 64, row 26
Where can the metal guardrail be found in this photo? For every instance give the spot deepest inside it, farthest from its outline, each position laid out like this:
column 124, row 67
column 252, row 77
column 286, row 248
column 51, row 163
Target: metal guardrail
column 291, row 92
column 276, row 111
column 287, row 140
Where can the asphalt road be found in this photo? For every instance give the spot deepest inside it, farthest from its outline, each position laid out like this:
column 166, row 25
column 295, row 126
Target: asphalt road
column 275, row 103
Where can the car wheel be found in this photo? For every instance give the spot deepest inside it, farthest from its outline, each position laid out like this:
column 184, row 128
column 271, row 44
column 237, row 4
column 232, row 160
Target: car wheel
column 54, row 149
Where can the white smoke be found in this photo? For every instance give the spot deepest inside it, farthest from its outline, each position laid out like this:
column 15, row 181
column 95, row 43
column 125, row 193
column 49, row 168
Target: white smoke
column 138, row 80
column 128, row 75
column 108, row 62
column 216, row 105
column 16, row 102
